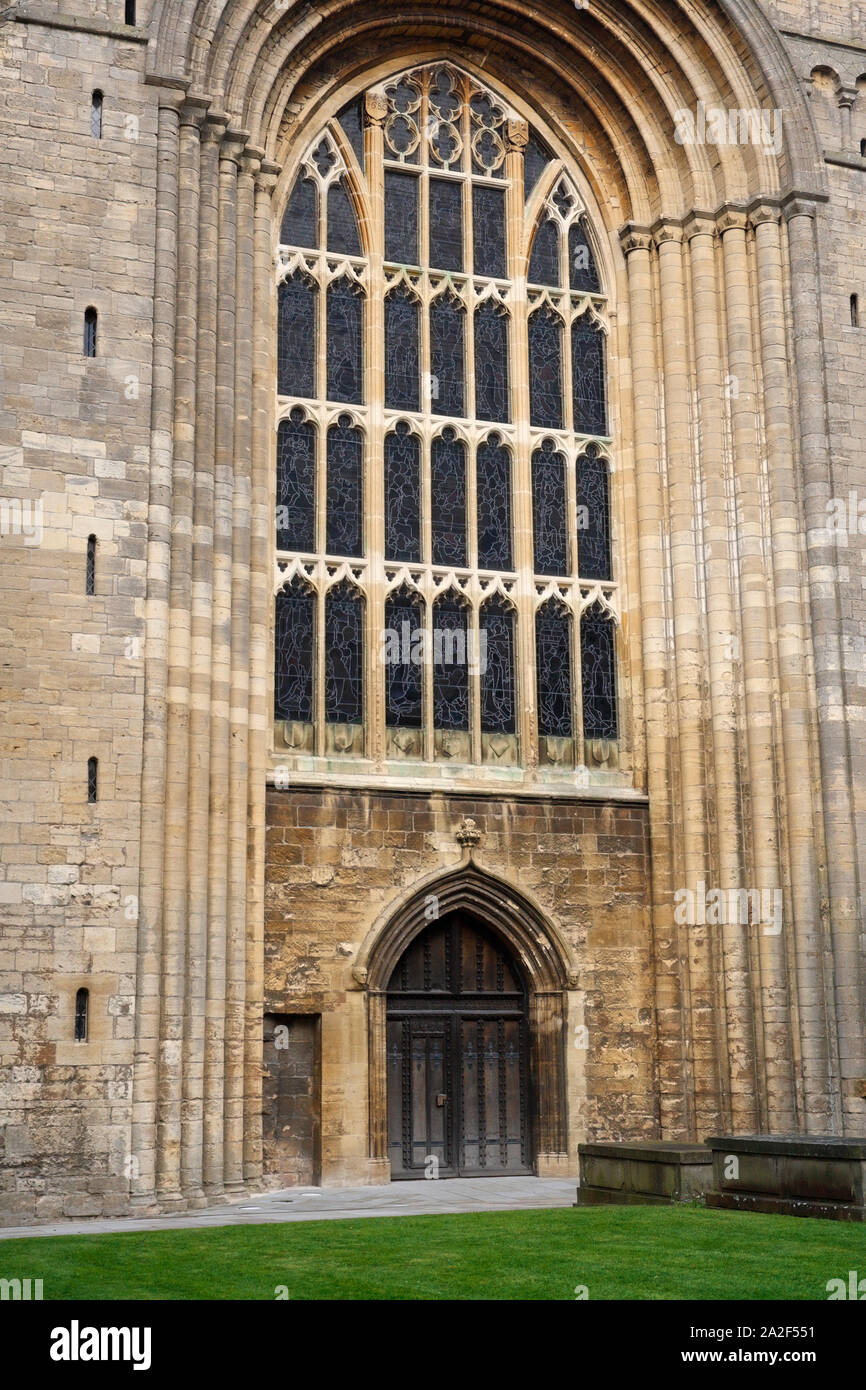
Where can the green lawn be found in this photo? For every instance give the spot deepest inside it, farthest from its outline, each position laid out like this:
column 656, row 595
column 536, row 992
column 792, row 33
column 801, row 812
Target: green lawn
column 616, row 1252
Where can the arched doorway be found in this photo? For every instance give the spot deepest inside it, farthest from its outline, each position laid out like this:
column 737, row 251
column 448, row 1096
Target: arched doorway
column 459, row 1085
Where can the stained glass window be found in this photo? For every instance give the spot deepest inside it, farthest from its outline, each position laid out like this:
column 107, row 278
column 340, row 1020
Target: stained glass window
column 296, row 483
column 344, row 655
column 404, row 666
column 598, row 675
column 491, row 363
column 402, row 351
column 588, row 377
column 352, row 120
column 446, row 224
column 496, row 661
column 296, row 337
column 488, row 231
column 536, row 158
column 553, row 668
column 401, row 217
column 448, row 498
column 342, row 223
column 301, row 219
column 402, row 495
column 593, row 515
column 548, row 510
column 545, row 369
column 493, row 486
column 345, row 337
column 447, row 321
column 344, row 489
column 295, row 619
column 544, row 261
column 412, row 402
column 450, row 663
column 582, row 268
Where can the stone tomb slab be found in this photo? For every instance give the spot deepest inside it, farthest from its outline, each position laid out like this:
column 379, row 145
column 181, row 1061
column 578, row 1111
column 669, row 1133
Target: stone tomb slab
column 642, row 1172
column 790, row 1175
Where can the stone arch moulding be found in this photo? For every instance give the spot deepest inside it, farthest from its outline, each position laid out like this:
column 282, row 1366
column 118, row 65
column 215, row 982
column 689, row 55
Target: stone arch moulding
column 543, row 956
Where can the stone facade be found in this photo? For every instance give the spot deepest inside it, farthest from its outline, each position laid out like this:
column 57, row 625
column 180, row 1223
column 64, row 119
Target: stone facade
column 193, row 897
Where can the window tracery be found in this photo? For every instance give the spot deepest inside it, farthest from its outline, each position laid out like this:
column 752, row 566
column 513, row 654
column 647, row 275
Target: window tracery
column 413, row 620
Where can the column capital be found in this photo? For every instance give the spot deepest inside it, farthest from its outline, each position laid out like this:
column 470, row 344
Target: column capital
column 799, row 205
column 375, row 108
column 846, row 96
column 251, row 160
column 194, row 109
column 234, row 143
column 172, row 94
column 633, row 237
column 214, row 126
column 763, row 210
column 732, row 217
column 667, row 230
column 699, row 224
column 267, row 174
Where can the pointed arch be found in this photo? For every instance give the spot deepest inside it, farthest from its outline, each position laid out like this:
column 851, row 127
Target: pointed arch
column 541, row 952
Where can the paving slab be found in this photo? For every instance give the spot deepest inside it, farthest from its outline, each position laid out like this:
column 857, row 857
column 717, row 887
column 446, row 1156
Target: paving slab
column 421, row 1198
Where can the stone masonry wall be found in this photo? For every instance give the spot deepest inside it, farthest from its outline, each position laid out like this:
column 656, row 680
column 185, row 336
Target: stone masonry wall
column 77, row 230
column 336, row 860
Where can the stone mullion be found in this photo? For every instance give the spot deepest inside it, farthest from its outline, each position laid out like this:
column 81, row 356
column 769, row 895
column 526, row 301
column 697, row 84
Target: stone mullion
column 215, row 1069
column 675, row 1081
column 757, row 672
column 200, row 674
column 261, row 662
column 689, row 660
column 521, row 483
column 144, row 1136
column 830, row 673
column 800, row 772
column 741, row 1058
column 427, row 737
column 374, row 473
column 239, row 713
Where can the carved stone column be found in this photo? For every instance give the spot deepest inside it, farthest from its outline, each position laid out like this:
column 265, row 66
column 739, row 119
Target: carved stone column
column 143, row 1137
column 769, row 950
column 675, row 1082
column 261, row 662
column 198, row 829
column 802, row 818
column 830, row 672
column 733, row 993
column 689, row 665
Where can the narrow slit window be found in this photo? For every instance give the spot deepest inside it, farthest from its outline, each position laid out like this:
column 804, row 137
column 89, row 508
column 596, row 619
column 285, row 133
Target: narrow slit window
column 82, row 1002
column 129, row 12
column 92, row 779
column 96, row 115
column 90, row 317
column 90, row 569
column 863, row 149
column 855, row 311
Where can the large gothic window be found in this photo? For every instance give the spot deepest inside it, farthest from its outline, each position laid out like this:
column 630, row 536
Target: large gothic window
column 445, row 586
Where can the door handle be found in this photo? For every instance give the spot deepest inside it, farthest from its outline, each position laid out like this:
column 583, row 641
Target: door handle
column 441, row 1099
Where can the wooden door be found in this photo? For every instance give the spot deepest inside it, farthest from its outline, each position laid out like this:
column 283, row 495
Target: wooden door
column 457, row 1043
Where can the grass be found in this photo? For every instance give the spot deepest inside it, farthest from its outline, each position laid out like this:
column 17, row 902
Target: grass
column 616, row 1252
